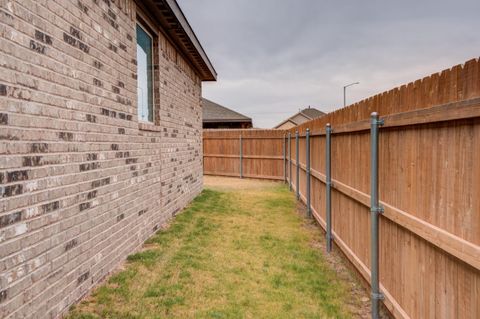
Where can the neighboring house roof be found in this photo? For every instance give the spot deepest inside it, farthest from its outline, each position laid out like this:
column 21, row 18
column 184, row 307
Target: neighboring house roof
column 302, row 116
column 173, row 20
column 312, row 112
column 213, row 112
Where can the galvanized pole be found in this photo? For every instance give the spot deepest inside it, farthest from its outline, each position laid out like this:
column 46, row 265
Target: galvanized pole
column 375, row 210
column 297, row 186
column 307, row 160
column 284, row 159
column 241, row 157
column 328, row 175
column 290, row 160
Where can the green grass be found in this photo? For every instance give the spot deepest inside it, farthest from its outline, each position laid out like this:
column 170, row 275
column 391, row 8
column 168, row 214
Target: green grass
column 232, row 253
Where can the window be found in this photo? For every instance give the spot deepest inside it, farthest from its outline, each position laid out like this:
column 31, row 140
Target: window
column 144, row 75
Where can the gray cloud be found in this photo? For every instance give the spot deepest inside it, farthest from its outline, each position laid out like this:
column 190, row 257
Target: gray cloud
column 276, row 56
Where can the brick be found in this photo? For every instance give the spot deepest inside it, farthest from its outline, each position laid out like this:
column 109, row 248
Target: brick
column 83, row 277
column 112, row 14
column 101, row 182
column 122, row 154
column 84, row 206
column 66, row 136
column 89, row 166
column 32, row 161
column 3, row 295
column 108, row 112
column 75, row 42
column 75, row 32
column 92, row 157
column 91, row 118
column 131, row 160
column 92, row 194
column 97, row 82
column 15, row 176
column 11, row 190
column 82, row 7
column 72, row 243
column 39, row 148
column 50, row 207
column 3, row 90
column 39, row 35
column 37, row 47
column 112, row 47
column 10, row 219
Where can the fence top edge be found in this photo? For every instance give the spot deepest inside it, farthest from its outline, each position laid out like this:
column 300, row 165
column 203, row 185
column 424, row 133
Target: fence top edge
column 470, row 109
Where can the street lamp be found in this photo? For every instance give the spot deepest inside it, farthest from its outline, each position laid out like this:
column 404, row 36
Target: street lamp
column 345, row 92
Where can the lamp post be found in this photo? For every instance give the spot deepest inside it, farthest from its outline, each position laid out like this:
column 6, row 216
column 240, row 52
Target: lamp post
column 345, row 92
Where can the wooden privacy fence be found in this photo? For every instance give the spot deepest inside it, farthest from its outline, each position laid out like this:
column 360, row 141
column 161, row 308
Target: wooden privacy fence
column 429, row 187
column 244, row 153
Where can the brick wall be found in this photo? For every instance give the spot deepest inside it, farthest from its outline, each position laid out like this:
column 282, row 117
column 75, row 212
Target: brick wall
column 83, row 184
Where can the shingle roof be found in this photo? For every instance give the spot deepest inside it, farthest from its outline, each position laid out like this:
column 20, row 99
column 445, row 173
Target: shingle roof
column 296, row 122
column 213, row 112
column 312, row 112
column 307, row 114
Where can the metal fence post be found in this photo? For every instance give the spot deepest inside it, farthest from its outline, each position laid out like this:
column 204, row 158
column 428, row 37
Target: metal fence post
column 241, row 157
column 289, row 160
column 297, row 186
column 284, row 158
column 375, row 210
column 307, row 170
column 328, row 184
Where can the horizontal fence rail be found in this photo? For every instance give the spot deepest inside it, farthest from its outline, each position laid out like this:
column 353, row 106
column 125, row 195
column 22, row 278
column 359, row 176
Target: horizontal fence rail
column 428, row 203
column 245, row 153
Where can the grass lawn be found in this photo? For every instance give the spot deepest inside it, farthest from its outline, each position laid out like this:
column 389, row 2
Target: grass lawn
column 235, row 252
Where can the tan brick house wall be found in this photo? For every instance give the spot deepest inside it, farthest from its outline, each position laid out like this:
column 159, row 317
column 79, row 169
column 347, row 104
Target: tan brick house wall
column 83, row 184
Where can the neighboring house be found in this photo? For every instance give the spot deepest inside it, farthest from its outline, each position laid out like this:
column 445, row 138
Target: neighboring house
column 89, row 169
column 302, row 116
column 218, row 116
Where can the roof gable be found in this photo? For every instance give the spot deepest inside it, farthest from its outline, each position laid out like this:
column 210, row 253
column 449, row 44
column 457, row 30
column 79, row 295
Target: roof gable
column 302, row 116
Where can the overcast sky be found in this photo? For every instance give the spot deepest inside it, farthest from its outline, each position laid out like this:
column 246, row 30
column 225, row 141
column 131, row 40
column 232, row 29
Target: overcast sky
column 274, row 57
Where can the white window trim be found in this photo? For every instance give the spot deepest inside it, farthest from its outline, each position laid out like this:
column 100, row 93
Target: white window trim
column 140, row 119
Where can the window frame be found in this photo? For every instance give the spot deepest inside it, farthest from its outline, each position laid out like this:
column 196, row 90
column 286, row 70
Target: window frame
column 144, row 26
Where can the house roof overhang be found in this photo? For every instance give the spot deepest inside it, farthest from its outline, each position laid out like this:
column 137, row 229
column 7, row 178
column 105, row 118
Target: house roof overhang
column 247, row 120
column 173, row 21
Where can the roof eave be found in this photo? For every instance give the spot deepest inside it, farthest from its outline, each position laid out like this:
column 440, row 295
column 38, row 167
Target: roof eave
column 175, row 24
column 227, row 120
column 301, row 113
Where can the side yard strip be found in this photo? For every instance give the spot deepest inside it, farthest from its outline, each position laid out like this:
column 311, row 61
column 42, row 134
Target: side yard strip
column 233, row 253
